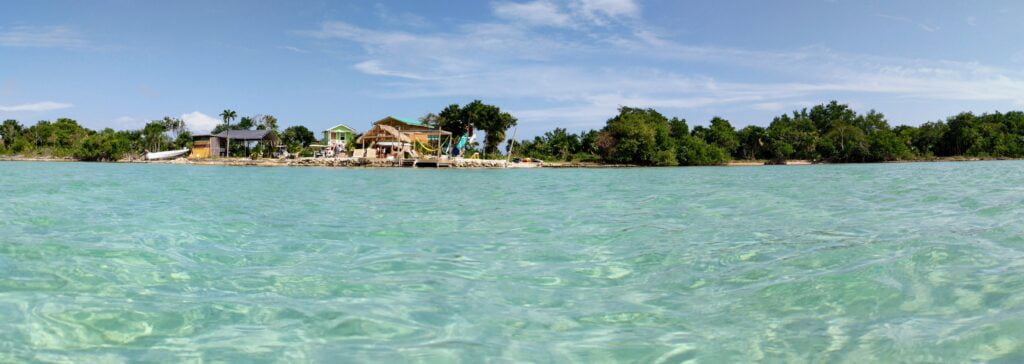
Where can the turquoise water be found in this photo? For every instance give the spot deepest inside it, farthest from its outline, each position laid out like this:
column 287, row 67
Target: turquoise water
column 854, row 263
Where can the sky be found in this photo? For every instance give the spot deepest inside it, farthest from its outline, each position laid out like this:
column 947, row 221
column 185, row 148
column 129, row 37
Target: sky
column 551, row 63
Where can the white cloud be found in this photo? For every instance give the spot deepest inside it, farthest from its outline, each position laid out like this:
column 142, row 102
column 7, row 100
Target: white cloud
column 539, row 12
column 55, row 36
column 597, row 10
column 373, row 67
column 295, row 49
column 198, row 122
column 972, row 21
column 471, row 48
column 38, row 106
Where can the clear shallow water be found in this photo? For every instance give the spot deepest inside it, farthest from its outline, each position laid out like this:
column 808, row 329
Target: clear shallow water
column 165, row 263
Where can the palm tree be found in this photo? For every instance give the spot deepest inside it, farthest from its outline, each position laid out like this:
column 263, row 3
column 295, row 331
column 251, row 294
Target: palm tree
column 228, row 115
column 267, row 122
column 173, row 125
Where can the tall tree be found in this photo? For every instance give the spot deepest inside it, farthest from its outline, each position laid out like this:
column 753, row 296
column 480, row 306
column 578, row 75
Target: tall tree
column 845, row 143
column 453, row 120
column 154, row 135
column 174, row 125
column 722, row 134
column 752, row 139
column 678, row 128
column 298, row 134
column 267, row 122
column 824, row 116
column 561, row 143
column 227, row 115
column 431, row 120
column 489, row 118
column 246, row 123
column 9, row 131
column 638, row 136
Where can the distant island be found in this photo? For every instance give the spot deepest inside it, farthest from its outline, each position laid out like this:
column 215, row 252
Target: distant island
column 826, row 133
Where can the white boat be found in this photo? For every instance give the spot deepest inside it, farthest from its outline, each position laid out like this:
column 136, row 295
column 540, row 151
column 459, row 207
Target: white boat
column 169, row 154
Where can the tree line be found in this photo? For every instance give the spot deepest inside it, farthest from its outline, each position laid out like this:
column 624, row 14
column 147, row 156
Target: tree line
column 832, row 133
column 65, row 138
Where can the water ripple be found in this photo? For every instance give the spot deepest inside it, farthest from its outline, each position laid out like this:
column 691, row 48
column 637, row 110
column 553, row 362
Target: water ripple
column 163, row 263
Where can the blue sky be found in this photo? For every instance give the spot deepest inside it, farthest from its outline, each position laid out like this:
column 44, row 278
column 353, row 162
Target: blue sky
column 552, row 63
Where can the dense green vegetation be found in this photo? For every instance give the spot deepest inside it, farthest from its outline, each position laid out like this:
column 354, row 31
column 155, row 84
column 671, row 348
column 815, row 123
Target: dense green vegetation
column 460, row 120
column 65, row 138
column 830, row 132
column 297, row 138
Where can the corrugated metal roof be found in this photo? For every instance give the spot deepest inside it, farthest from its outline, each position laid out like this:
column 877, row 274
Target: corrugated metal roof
column 244, row 134
column 409, row 121
column 406, row 121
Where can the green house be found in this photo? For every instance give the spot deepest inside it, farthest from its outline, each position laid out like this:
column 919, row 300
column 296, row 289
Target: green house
column 339, row 135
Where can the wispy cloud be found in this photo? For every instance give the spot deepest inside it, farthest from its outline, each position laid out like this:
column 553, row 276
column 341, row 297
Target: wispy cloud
column 638, row 67
column 35, row 107
column 404, row 19
column 566, row 14
column 373, row 67
column 294, row 49
column 928, row 27
column 894, row 17
column 540, row 12
column 603, row 9
column 53, row 36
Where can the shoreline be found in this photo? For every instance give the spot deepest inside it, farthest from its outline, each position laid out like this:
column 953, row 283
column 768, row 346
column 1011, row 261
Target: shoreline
column 458, row 164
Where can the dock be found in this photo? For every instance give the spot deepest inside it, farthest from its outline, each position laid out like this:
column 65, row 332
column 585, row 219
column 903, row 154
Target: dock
column 428, row 163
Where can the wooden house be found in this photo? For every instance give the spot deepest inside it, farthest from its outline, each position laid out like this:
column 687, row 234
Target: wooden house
column 340, row 135
column 399, row 136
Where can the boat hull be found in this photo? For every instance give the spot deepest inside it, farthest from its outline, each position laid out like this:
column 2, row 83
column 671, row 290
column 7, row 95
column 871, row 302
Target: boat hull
column 170, row 154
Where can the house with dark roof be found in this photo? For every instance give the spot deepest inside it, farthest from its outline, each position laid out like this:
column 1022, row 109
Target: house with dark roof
column 215, row 145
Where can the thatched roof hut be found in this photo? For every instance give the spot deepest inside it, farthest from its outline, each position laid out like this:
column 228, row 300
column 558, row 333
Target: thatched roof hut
column 383, row 133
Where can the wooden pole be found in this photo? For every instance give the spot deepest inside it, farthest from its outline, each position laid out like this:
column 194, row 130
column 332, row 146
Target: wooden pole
column 511, row 145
